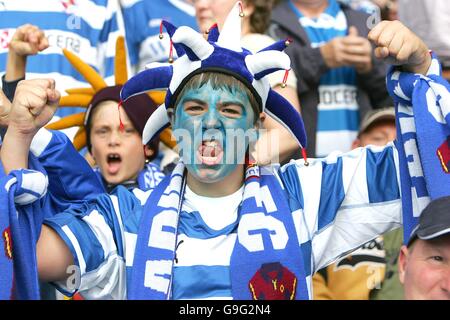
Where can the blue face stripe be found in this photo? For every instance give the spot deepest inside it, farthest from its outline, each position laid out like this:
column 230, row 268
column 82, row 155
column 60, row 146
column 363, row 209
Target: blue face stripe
column 331, row 193
column 380, row 168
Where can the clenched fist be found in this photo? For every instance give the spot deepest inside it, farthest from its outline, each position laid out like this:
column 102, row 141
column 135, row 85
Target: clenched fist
column 28, row 40
column 5, row 107
column 400, row 46
column 34, row 104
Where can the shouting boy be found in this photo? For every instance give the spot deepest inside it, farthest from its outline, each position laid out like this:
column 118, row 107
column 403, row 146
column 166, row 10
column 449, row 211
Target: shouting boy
column 220, row 226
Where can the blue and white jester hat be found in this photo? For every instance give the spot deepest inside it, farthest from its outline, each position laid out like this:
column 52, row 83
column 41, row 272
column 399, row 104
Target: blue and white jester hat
column 220, row 53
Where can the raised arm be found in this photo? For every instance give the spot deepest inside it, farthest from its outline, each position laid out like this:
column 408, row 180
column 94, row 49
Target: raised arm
column 34, row 105
column 399, row 46
column 345, row 200
column 27, row 40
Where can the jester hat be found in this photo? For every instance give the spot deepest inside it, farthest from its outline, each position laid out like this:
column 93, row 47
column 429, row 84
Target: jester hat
column 99, row 91
column 222, row 53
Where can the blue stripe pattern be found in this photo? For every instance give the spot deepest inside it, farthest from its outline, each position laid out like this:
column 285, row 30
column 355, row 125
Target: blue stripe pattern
column 201, row 282
column 142, row 22
column 306, row 249
column 342, row 120
column 331, row 193
column 291, row 183
column 57, row 63
column 193, row 280
column 336, row 117
column 380, row 168
column 193, row 226
column 90, row 246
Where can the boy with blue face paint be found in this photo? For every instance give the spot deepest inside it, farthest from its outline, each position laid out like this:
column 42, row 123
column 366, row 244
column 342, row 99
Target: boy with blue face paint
column 214, row 229
column 211, row 119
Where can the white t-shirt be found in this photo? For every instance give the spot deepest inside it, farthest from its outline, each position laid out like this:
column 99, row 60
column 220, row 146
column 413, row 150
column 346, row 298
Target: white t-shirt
column 206, row 238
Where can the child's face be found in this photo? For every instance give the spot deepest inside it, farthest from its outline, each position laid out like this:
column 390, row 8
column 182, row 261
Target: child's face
column 213, row 128
column 119, row 154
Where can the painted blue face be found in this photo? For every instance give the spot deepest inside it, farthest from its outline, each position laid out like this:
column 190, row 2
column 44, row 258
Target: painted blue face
column 210, row 126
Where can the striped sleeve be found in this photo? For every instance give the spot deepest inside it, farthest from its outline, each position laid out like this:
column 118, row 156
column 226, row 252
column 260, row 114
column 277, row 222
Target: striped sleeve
column 94, row 233
column 343, row 201
column 30, row 186
column 70, row 176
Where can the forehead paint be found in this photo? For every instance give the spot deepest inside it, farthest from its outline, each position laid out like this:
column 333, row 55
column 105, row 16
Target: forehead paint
column 190, row 130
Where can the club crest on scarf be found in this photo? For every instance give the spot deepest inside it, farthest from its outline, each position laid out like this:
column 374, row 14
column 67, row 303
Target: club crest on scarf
column 273, row 281
column 7, row 242
column 443, row 153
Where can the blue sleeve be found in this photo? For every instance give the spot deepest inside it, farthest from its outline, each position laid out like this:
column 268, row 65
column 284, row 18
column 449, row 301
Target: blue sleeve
column 344, row 200
column 71, row 179
column 94, row 233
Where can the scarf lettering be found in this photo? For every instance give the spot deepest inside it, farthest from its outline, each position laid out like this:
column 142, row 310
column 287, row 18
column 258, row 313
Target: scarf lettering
column 418, row 186
column 157, row 275
column 251, row 237
column 162, row 233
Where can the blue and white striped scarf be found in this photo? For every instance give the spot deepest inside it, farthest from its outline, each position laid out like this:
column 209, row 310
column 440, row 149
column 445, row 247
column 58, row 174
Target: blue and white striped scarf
column 423, row 138
column 20, row 226
column 261, row 226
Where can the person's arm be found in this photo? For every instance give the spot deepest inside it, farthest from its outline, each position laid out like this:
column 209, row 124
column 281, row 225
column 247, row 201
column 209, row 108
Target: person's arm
column 5, row 107
column 397, row 45
column 34, row 104
column 344, row 200
column 27, row 40
column 349, row 199
column 71, row 179
column 92, row 245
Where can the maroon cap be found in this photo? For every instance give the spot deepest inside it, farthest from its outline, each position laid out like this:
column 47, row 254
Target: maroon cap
column 138, row 109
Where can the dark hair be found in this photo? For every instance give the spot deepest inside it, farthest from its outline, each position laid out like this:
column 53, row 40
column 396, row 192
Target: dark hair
column 152, row 144
column 218, row 81
column 260, row 18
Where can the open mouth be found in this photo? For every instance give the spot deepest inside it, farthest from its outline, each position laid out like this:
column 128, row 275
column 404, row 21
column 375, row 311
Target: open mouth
column 210, row 152
column 114, row 160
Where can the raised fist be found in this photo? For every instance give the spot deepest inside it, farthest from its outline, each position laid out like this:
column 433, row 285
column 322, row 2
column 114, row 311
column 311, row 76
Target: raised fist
column 34, row 105
column 28, row 40
column 5, row 107
column 400, row 46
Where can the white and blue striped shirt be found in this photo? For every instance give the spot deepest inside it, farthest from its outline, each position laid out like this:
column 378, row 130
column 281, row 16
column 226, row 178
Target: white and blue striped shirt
column 338, row 110
column 88, row 28
column 142, row 21
column 337, row 203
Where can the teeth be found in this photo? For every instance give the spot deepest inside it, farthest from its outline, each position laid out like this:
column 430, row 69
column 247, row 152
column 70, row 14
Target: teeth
column 113, row 156
column 210, row 143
